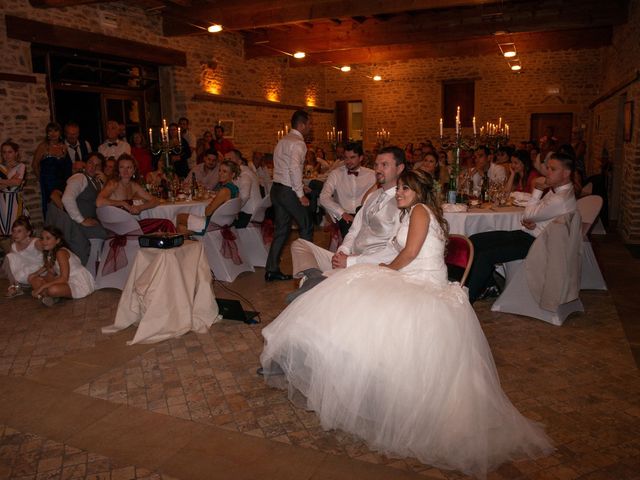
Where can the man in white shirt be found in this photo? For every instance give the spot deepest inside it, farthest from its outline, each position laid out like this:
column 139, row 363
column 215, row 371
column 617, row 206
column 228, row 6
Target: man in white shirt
column 373, row 226
column 345, row 186
column 491, row 248
column 207, row 171
column 262, row 172
column 248, row 186
column 113, row 146
column 484, row 166
column 183, row 123
column 78, row 221
column 287, row 192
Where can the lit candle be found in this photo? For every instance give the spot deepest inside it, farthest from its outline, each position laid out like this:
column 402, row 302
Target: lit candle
column 179, row 134
column 499, row 123
column 150, row 138
column 474, row 126
column 441, row 135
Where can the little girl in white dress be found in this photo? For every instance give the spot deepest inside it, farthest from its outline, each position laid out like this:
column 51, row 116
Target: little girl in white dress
column 62, row 274
column 25, row 256
column 395, row 354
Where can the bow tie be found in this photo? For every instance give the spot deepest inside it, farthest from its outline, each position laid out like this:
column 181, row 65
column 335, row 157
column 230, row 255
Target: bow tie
column 112, row 144
column 350, row 172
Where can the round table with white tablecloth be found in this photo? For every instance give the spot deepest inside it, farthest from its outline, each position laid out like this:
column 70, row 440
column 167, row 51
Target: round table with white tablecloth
column 479, row 220
column 170, row 210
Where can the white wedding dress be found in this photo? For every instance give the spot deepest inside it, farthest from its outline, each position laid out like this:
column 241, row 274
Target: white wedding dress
column 398, row 358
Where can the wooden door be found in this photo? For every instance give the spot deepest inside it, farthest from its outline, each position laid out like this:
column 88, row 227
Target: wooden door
column 559, row 123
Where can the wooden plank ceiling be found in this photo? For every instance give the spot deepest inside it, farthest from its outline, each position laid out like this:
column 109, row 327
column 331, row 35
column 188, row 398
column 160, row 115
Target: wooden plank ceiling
column 338, row 32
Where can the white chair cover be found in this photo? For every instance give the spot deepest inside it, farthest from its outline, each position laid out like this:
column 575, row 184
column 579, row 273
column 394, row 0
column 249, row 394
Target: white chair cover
column 519, row 295
column 255, row 250
column 94, row 255
column 117, row 222
column 591, row 276
column 225, row 269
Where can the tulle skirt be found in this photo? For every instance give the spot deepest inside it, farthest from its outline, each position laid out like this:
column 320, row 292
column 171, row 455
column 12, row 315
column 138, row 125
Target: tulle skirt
column 402, row 364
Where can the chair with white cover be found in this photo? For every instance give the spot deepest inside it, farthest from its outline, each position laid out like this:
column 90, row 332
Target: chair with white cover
column 222, row 246
column 545, row 285
column 119, row 249
column 252, row 238
column 591, row 278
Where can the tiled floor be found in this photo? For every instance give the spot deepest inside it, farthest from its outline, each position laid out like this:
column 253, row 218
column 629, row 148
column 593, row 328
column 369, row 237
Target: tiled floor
column 580, row 380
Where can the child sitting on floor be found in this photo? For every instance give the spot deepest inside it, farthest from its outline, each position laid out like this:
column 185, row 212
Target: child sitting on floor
column 25, row 256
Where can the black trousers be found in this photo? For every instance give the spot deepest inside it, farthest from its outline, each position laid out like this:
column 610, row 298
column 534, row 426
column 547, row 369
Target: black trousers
column 344, row 227
column 490, row 248
column 286, row 207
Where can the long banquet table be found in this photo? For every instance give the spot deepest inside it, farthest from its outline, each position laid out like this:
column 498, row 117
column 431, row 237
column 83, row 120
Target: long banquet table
column 170, row 210
column 477, row 220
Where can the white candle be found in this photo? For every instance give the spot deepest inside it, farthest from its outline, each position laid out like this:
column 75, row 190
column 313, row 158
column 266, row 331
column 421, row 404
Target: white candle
column 499, row 123
column 474, row 125
column 150, row 138
column 441, row 135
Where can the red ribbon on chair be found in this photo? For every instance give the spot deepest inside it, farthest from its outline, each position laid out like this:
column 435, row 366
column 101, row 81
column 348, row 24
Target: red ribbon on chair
column 266, row 230
column 117, row 256
column 229, row 248
column 152, row 225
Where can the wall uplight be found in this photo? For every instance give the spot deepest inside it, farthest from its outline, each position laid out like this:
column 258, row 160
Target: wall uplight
column 345, row 68
column 215, row 28
column 299, row 55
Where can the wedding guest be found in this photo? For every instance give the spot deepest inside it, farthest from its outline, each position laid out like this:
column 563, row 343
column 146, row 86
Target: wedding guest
column 262, row 172
column 12, row 176
column 181, row 152
column 372, row 227
column 287, row 192
column 62, row 275
column 190, row 138
column 140, row 152
column 77, row 148
column 203, row 145
column 109, row 168
column 523, row 176
column 249, row 188
column 124, row 191
column 114, row 146
column 311, row 165
column 24, row 258
column 225, row 190
column 156, row 177
column 206, row 172
column 395, row 355
column 50, row 165
column 495, row 247
column 321, row 159
column 342, row 193
column 221, row 144
column 78, row 221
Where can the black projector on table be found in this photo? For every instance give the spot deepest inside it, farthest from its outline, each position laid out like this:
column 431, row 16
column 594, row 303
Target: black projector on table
column 161, row 240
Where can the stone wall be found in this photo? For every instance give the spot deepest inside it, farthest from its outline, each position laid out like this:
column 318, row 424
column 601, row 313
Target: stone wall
column 620, row 65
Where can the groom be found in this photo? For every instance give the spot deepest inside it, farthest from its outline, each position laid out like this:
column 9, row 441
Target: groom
column 375, row 223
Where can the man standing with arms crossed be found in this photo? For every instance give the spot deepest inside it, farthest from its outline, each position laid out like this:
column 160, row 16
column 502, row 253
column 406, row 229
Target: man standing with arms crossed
column 287, row 194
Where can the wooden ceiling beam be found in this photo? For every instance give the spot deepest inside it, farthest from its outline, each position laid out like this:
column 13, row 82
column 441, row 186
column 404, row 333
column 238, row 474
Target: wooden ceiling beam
column 250, row 14
column 525, row 43
column 451, row 25
column 62, row 3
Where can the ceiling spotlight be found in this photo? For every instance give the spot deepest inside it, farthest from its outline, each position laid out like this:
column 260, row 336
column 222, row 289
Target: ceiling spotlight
column 215, row 28
column 516, row 68
column 299, row 55
column 345, row 68
column 508, row 49
column 377, row 78
column 509, row 54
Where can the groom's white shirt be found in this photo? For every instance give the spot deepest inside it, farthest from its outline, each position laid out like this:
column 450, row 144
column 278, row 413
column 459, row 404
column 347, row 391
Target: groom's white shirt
column 367, row 240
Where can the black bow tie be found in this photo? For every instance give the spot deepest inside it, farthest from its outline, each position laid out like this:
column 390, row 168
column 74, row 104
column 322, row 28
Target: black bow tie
column 112, row 144
column 349, row 172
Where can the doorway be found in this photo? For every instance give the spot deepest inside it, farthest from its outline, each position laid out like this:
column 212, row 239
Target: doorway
column 349, row 120
column 557, row 124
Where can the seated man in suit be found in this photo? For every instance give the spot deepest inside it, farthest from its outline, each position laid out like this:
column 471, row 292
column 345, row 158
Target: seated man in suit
column 373, row 226
column 345, row 187
column 491, row 248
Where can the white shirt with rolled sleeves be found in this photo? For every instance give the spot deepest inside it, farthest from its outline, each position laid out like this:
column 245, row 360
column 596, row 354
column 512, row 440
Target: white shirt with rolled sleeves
column 542, row 210
column 75, row 186
column 342, row 193
column 288, row 161
column 372, row 228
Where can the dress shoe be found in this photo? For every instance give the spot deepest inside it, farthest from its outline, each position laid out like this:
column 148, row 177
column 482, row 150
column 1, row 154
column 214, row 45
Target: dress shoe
column 275, row 370
column 272, row 276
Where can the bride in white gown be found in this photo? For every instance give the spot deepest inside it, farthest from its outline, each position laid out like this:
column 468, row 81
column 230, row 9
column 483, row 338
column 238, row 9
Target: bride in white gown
column 395, row 355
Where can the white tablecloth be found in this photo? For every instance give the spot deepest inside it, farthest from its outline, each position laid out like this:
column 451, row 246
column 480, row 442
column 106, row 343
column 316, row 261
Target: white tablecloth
column 171, row 210
column 484, row 220
column 168, row 293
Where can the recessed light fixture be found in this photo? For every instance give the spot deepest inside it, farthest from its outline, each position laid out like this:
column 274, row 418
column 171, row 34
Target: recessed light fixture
column 509, row 54
column 515, row 68
column 508, row 49
column 345, row 68
column 377, row 78
column 215, row 28
column 299, row 55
